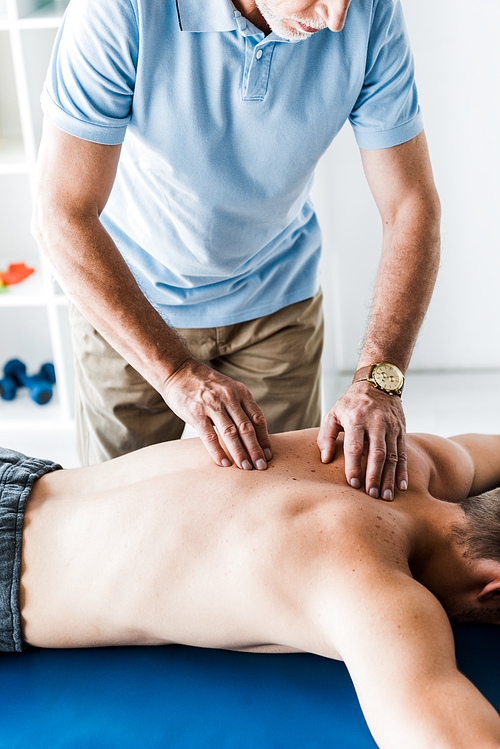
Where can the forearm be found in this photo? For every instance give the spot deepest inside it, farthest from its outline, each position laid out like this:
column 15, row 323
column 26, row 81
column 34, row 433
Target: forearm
column 398, row 645
column 444, row 714
column 401, row 182
column 101, row 285
column 404, row 284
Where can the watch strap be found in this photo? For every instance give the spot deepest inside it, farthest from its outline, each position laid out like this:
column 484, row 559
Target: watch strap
column 363, row 373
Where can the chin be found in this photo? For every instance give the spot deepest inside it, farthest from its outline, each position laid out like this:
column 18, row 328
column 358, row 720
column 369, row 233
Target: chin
column 465, row 614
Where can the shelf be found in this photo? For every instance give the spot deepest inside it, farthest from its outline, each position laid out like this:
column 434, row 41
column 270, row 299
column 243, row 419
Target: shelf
column 12, row 155
column 33, row 314
column 53, row 440
column 48, row 16
column 28, row 293
column 23, row 410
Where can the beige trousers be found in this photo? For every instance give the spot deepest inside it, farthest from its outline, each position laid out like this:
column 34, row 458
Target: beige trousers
column 277, row 357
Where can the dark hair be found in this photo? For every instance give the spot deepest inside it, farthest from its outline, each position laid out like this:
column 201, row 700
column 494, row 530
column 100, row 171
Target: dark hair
column 481, row 531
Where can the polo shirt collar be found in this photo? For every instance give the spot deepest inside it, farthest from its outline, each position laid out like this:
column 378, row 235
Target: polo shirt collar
column 206, row 15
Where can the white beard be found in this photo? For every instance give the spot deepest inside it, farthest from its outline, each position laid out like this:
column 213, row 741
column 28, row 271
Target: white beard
column 278, row 25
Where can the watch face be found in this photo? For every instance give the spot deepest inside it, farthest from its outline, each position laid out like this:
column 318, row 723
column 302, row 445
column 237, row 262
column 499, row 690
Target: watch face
column 387, row 376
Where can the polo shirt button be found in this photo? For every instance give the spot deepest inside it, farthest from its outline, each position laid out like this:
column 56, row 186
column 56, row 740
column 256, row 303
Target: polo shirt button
column 258, row 54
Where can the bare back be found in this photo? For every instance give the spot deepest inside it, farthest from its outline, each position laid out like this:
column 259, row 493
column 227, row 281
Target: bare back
column 163, row 546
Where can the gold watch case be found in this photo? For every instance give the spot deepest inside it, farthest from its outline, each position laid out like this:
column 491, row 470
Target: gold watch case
column 387, row 377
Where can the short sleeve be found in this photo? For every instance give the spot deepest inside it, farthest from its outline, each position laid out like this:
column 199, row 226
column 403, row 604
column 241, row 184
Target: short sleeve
column 90, row 82
column 386, row 112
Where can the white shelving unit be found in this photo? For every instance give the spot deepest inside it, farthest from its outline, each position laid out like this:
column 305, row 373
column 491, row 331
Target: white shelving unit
column 33, row 315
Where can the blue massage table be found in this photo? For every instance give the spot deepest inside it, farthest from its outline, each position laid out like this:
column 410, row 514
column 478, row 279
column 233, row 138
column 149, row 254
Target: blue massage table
column 186, row 698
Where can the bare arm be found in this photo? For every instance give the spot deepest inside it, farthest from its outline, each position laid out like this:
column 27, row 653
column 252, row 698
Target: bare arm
column 483, row 451
column 453, row 469
column 75, row 178
column 398, row 645
column 401, row 181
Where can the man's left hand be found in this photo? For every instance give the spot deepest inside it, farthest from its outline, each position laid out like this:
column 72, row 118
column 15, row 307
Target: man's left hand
column 366, row 414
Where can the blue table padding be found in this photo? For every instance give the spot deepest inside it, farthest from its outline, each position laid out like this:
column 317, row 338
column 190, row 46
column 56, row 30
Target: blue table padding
column 187, row 698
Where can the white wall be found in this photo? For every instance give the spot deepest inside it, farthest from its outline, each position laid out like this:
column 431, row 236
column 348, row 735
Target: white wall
column 456, row 45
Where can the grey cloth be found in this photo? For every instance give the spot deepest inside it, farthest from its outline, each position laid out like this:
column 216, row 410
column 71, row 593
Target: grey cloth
column 17, row 474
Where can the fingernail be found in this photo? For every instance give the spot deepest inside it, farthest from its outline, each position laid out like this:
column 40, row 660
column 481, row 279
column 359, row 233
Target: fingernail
column 261, row 465
column 387, row 495
column 403, row 486
column 374, row 493
column 268, row 454
column 355, row 483
column 246, row 465
column 225, row 463
column 324, row 456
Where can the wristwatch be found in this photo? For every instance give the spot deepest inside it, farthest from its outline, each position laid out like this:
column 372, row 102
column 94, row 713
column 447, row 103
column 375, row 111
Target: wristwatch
column 383, row 376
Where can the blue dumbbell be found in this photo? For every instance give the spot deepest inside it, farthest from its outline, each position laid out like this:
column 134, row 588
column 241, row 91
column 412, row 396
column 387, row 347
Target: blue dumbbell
column 48, row 373
column 8, row 388
column 39, row 387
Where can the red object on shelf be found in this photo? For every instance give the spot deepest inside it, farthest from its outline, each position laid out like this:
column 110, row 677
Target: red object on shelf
column 15, row 273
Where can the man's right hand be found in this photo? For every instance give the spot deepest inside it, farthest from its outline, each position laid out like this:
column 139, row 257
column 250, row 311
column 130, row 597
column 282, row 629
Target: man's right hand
column 220, row 410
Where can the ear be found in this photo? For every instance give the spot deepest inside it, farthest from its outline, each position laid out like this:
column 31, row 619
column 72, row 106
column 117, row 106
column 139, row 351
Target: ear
column 491, row 590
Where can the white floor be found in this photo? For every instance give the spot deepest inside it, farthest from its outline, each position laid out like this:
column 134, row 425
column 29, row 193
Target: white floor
column 442, row 403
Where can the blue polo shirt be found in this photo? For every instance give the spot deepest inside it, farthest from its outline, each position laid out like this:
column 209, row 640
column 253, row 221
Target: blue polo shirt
column 221, row 129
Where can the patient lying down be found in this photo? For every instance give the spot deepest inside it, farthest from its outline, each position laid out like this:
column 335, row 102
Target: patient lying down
column 162, row 546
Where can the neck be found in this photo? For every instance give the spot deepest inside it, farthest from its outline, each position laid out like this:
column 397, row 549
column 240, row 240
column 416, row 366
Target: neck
column 438, row 561
column 249, row 9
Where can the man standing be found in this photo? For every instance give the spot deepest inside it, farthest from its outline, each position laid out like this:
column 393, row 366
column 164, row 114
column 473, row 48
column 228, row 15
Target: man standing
column 175, row 168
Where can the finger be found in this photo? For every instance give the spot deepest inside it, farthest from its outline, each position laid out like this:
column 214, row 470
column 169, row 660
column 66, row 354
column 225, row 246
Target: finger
column 377, row 454
column 229, row 427
column 210, row 439
column 245, row 437
column 326, row 441
column 402, row 467
column 354, row 442
column 260, row 448
column 248, row 438
column 243, row 443
column 389, row 471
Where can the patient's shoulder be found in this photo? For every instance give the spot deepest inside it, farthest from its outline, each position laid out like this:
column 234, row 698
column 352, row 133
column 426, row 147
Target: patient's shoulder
column 441, row 464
